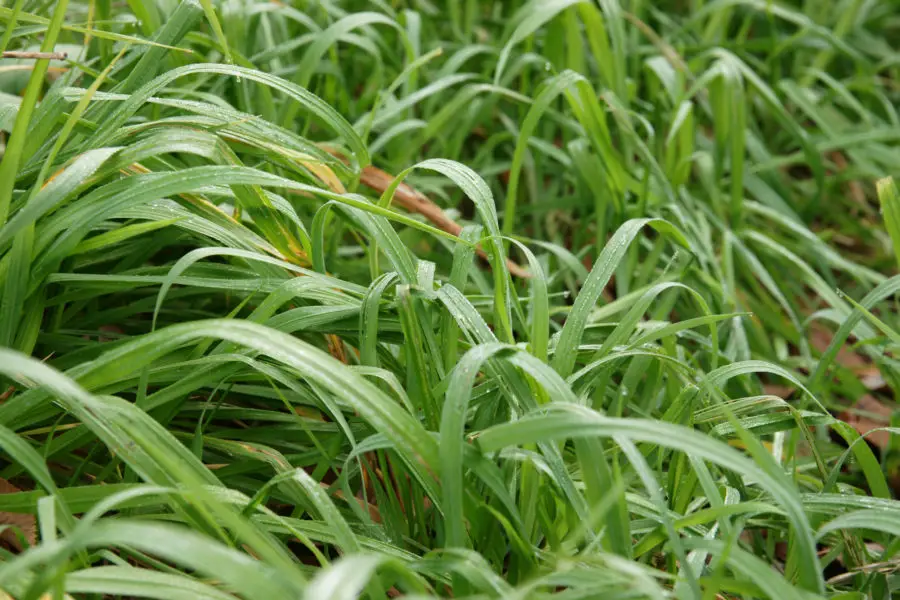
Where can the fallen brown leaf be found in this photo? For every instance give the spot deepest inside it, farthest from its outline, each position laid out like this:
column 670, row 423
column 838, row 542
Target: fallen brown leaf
column 871, row 378
column 876, row 415
column 820, row 337
column 868, row 412
column 775, row 389
column 25, row 523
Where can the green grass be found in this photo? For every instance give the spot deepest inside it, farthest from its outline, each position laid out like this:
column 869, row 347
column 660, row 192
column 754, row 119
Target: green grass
column 240, row 365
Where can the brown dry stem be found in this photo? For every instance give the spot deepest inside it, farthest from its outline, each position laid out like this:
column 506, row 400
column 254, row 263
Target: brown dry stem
column 415, row 202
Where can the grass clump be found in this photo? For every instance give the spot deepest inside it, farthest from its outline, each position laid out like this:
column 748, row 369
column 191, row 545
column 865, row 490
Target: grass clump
column 477, row 300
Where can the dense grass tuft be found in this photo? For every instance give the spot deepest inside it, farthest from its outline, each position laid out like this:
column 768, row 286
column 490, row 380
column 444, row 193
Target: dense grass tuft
column 569, row 299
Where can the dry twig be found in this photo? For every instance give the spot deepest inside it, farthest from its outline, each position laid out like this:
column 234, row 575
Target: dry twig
column 35, row 55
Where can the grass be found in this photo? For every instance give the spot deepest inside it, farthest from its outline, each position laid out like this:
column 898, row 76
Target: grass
column 478, row 300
